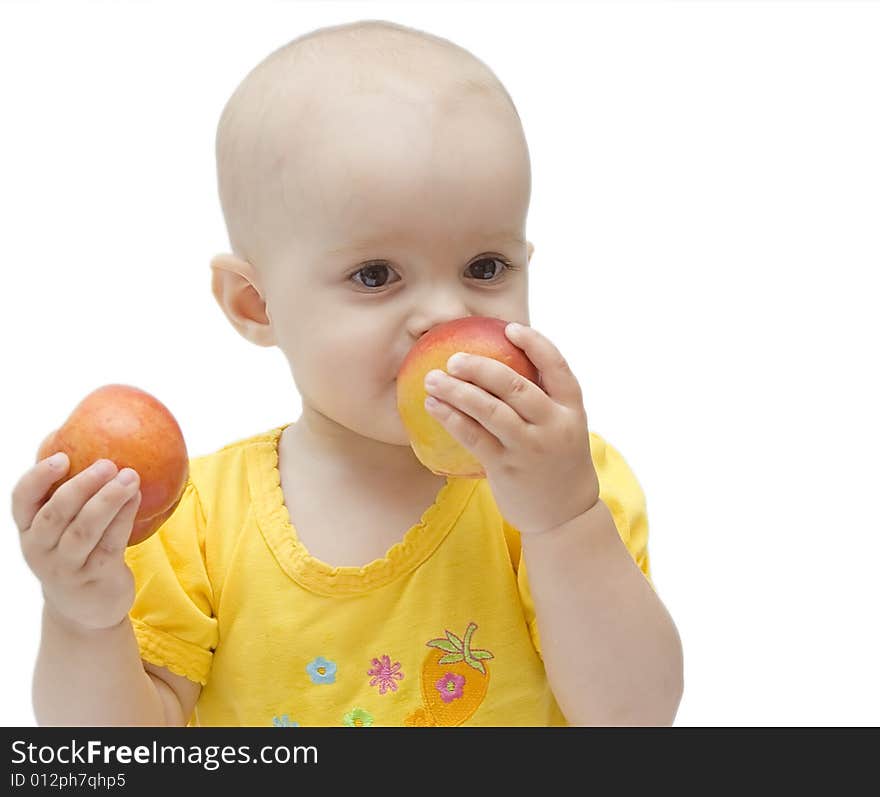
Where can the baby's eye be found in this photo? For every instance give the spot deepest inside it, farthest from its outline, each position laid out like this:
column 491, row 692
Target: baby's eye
column 374, row 275
column 486, row 269
column 486, row 266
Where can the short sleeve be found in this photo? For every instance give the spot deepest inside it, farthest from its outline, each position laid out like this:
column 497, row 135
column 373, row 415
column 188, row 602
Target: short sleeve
column 172, row 615
column 620, row 491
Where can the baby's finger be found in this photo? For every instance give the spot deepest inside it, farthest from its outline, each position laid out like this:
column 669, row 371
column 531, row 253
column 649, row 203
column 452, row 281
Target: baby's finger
column 30, row 490
column 86, row 529
column 115, row 540
column 58, row 512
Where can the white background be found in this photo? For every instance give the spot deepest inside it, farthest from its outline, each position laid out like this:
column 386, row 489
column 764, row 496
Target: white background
column 705, row 207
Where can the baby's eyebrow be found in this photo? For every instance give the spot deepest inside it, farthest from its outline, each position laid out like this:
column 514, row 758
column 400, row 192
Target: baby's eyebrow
column 365, row 245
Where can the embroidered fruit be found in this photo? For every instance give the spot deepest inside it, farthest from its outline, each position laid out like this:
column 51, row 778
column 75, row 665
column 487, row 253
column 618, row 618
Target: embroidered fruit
column 434, row 447
column 454, row 680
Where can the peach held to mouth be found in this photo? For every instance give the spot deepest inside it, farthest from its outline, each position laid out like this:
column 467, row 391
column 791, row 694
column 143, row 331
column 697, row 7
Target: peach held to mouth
column 435, row 448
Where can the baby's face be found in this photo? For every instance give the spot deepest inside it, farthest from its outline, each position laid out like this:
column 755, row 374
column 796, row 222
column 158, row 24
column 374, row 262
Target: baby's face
column 403, row 216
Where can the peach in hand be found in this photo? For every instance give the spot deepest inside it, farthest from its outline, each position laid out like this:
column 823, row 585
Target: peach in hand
column 134, row 430
column 435, row 448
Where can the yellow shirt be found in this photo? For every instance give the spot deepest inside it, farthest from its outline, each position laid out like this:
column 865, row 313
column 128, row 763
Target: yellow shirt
column 441, row 630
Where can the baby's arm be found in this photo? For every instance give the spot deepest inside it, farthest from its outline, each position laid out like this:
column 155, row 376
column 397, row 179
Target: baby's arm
column 89, row 677
column 611, row 650
column 88, row 670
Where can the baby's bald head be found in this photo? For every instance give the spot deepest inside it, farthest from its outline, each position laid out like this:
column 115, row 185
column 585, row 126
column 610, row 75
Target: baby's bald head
column 280, row 130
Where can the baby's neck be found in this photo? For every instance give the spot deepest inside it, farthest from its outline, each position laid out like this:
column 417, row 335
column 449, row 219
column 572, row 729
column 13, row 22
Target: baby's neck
column 312, row 445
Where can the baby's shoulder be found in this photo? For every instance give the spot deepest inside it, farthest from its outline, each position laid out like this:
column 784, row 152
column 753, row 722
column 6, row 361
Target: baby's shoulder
column 225, row 459
column 224, row 479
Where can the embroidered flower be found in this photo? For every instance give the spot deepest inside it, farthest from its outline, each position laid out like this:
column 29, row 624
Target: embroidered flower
column 384, row 674
column 358, row 718
column 321, row 670
column 450, row 686
column 284, row 722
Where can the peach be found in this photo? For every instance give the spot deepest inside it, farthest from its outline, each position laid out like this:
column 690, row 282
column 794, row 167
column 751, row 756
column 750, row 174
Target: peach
column 436, row 448
column 134, row 430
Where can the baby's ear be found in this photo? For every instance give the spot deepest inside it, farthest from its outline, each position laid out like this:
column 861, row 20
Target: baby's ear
column 233, row 283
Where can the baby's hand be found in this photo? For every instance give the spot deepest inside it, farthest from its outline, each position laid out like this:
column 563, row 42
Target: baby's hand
column 75, row 542
column 534, row 442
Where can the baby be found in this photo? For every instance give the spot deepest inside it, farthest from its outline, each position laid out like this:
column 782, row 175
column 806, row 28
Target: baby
column 375, row 182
